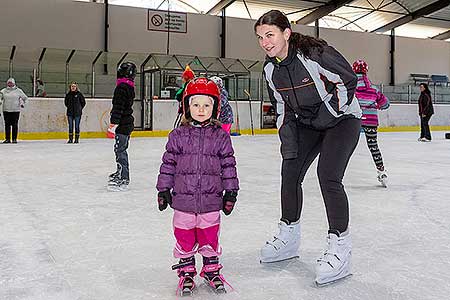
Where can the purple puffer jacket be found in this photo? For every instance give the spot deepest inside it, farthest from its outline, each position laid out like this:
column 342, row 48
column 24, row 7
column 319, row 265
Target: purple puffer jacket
column 198, row 166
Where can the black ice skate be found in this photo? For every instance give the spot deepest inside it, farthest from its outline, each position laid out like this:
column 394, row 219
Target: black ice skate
column 118, row 184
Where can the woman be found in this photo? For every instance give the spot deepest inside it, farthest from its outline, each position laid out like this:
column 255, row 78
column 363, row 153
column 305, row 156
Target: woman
column 13, row 99
column 425, row 112
column 312, row 87
column 370, row 100
column 75, row 103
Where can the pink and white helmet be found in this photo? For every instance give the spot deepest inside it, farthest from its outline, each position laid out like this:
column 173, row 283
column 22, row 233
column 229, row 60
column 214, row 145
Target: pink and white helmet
column 360, row 67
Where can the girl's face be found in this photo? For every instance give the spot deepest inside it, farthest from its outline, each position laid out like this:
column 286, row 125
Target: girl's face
column 422, row 88
column 10, row 84
column 273, row 41
column 201, row 107
column 73, row 87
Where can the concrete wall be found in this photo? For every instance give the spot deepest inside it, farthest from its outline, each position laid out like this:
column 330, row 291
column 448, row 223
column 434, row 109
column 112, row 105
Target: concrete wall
column 77, row 25
column 408, row 115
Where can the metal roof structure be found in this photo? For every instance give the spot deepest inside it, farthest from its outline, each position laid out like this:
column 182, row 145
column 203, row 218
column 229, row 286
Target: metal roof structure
column 415, row 18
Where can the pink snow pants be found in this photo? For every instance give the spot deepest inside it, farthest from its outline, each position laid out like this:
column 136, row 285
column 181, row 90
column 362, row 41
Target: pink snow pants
column 196, row 233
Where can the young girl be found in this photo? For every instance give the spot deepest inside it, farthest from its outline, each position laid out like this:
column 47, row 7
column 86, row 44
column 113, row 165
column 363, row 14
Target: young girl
column 226, row 112
column 198, row 166
column 370, row 100
column 122, row 124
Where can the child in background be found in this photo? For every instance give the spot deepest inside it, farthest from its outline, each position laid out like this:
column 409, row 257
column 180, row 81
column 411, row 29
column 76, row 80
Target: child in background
column 198, row 179
column 370, row 100
column 122, row 124
column 226, row 112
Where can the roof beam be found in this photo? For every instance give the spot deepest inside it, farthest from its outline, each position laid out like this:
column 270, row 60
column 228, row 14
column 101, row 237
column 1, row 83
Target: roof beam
column 426, row 10
column 219, row 6
column 442, row 36
column 322, row 11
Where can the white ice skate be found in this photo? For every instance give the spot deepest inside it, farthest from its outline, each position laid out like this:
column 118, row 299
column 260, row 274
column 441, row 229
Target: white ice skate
column 335, row 262
column 284, row 245
column 382, row 177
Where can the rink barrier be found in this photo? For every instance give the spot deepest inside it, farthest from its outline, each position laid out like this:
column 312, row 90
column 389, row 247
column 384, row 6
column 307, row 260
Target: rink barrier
column 165, row 133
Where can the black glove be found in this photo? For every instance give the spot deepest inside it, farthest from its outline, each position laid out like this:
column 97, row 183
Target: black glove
column 229, row 199
column 164, row 199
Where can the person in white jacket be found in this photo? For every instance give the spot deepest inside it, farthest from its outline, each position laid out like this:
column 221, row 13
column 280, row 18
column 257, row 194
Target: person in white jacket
column 13, row 99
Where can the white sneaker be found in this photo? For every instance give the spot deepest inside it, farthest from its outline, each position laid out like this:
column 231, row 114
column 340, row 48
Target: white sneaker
column 382, row 177
column 335, row 262
column 284, row 245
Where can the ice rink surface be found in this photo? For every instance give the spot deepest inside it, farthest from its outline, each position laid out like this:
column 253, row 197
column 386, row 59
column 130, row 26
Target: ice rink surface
column 63, row 236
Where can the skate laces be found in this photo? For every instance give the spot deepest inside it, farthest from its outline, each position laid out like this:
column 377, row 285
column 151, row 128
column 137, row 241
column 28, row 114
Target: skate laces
column 211, row 273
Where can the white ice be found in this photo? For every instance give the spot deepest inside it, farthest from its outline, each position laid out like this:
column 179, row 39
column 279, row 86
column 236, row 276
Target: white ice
column 63, row 236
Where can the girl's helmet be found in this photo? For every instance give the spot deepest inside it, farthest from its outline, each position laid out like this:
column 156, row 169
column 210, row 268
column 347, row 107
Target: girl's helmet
column 360, row 67
column 127, row 70
column 202, row 86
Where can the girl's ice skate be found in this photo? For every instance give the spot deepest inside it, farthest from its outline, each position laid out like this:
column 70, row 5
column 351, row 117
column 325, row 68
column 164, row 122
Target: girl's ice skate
column 211, row 273
column 335, row 262
column 284, row 245
column 186, row 271
column 382, row 177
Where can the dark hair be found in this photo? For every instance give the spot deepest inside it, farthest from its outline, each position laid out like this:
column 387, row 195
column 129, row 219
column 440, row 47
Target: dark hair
column 303, row 43
column 425, row 86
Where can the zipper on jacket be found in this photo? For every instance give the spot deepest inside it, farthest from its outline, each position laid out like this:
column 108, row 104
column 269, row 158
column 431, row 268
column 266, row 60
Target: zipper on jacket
column 199, row 169
column 293, row 91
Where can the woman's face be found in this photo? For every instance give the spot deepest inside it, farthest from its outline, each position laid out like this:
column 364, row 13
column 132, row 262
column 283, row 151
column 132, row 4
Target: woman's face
column 422, row 88
column 273, row 41
column 73, row 87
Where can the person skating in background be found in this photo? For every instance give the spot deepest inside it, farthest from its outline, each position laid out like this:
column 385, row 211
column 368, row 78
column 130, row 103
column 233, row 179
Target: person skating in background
column 74, row 102
column 186, row 77
column 426, row 110
column 370, row 100
column 198, row 179
column 122, row 124
column 312, row 87
column 13, row 99
column 226, row 112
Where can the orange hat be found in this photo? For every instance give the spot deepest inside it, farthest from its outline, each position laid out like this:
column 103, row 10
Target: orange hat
column 188, row 74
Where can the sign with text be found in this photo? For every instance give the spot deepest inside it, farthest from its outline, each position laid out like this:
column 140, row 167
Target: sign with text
column 161, row 20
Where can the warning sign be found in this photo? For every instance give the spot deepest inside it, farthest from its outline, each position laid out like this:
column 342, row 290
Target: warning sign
column 161, row 20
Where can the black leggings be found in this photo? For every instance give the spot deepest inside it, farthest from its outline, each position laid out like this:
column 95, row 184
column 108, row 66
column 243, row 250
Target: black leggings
column 372, row 143
column 11, row 120
column 335, row 146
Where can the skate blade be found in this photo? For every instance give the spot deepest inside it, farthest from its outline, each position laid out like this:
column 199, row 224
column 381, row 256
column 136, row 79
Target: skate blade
column 218, row 289
column 330, row 282
column 270, row 261
column 187, row 292
column 113, row 188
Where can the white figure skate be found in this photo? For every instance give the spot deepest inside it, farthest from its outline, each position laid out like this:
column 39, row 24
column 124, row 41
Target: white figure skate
column 284, row 245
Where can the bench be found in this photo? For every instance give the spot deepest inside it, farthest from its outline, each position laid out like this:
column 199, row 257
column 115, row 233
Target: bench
column 420, row 78
column 440, row 79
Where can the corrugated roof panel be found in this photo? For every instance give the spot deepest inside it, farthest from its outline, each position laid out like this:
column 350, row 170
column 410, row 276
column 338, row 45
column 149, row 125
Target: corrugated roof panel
column 442, row 14
column 414, row 5
column 418, row 31
column 376, row 20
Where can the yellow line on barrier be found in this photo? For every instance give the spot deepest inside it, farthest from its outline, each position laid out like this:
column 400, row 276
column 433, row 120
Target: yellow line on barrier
column 165, row 133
